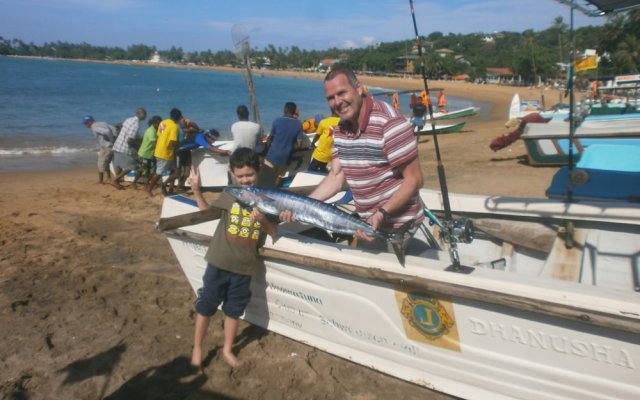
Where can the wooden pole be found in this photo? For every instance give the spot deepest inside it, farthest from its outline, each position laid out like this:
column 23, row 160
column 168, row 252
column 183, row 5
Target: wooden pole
column 179, row 221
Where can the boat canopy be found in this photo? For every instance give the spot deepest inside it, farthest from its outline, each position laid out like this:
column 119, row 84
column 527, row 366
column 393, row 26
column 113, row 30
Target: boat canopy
column 596, row 8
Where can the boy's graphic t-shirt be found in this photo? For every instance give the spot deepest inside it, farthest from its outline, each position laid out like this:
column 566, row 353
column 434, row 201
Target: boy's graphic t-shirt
column 234, row 246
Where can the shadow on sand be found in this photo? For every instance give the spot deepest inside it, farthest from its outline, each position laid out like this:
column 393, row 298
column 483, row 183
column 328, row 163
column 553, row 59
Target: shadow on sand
column 522, row 159
column 177, row 379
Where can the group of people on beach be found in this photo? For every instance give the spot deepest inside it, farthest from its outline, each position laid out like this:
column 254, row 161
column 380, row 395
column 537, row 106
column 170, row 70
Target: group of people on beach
column 164, row 149
column 373, row 151
column 366, row 145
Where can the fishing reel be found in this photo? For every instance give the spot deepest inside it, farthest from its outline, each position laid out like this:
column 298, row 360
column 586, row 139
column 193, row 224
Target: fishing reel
column 454, row 232
column 457, row 231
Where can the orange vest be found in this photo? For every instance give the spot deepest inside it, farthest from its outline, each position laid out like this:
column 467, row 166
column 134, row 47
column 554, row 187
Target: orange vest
column 396, row 103
column 441, row 99
column 425, row 98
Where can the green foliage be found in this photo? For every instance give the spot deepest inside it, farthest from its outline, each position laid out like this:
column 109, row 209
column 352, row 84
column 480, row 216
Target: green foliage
column 530, row 55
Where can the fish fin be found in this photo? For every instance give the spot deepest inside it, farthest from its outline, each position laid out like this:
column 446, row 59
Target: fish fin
column 398, row 248
column 396, row 238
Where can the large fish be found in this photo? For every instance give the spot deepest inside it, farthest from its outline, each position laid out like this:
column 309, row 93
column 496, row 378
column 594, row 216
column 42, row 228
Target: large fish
column 313, row 212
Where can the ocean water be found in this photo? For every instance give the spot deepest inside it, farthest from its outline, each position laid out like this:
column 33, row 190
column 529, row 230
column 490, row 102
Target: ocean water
column 42, row 103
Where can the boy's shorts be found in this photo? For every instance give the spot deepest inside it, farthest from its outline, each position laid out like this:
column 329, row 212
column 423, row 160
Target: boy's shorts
column 163, row 166
column 221, row 286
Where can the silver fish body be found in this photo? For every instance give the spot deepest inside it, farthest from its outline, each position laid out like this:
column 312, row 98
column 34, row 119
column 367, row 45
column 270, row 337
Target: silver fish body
column 304, row 209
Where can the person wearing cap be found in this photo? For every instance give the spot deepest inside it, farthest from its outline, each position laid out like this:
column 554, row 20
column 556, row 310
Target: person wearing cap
column 165, row 153
column 125, row 152
column 206, row 141
column 106, row 135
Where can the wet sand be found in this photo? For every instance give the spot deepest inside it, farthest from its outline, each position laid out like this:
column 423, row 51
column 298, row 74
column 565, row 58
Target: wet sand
column 94, row 305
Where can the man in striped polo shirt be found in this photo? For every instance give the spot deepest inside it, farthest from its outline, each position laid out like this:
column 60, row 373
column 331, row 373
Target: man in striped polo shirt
column 375, row 153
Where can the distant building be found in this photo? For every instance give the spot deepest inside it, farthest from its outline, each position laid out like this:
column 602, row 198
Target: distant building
column 155, row 58
column 325, row 65
column 499, row 75
column 445, row 52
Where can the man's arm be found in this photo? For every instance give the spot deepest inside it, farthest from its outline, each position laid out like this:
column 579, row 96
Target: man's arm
column 411, row 183
column 215, row 150
column 331, row 184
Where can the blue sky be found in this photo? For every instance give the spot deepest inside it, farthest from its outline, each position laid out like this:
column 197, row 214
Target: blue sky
column 320, row 24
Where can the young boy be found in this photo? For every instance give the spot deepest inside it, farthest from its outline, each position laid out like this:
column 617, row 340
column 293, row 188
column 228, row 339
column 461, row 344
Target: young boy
column 232, row 257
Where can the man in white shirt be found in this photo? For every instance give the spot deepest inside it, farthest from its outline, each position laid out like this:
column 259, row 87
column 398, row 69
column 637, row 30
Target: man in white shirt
column 246, row 133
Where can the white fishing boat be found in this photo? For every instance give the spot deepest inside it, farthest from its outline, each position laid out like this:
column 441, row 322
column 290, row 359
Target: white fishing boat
column 549, row 307
column 519, row 109
column 548, row 143
column 460, row 113
column 541, row 302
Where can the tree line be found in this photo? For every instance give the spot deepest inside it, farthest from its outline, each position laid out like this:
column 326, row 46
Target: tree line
column 530, row 55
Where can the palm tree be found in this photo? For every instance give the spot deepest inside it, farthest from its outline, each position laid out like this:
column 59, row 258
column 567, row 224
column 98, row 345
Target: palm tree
column 561, row 27
column 627, row 56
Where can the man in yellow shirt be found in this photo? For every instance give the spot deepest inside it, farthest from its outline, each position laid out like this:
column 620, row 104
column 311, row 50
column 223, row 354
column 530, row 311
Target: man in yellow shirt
column 322, row 154
column 165, row 153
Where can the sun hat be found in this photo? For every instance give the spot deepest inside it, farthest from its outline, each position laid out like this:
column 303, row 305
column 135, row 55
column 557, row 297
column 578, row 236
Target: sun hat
column 87, row 119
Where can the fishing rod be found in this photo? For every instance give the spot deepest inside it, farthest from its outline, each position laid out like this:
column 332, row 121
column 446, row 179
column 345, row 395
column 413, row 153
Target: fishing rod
column 572, row 99
column 453, row 231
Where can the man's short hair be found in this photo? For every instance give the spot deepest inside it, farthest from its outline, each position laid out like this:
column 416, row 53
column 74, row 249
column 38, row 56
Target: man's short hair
column 243, row 112
column 290, row 108
column 341, row 69
column 175, row 114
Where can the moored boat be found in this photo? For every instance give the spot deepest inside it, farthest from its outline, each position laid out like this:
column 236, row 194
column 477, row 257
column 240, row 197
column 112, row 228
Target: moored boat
column 553, row 314
column 461, row 113
column 548, row 143
column 448, row 128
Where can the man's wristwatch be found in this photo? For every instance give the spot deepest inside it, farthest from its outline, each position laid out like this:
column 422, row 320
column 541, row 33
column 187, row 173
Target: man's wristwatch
column 384, row 213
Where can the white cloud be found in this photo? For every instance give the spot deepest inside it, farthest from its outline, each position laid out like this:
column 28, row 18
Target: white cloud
column 349, row 44
column 368, row 40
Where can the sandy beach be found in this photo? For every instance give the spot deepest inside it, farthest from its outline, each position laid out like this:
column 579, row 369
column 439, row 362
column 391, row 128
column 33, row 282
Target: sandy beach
column 93, row 303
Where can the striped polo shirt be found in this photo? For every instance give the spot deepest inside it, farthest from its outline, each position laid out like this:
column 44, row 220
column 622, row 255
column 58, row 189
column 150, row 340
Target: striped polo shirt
column 370, row 160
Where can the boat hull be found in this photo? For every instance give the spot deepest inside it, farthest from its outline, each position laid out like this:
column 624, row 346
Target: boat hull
column 424, row 325
column 461, row 113
column 449, row 128
column 548, row 143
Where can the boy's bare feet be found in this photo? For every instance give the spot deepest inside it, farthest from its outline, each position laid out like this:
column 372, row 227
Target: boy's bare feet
column 231, row 360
